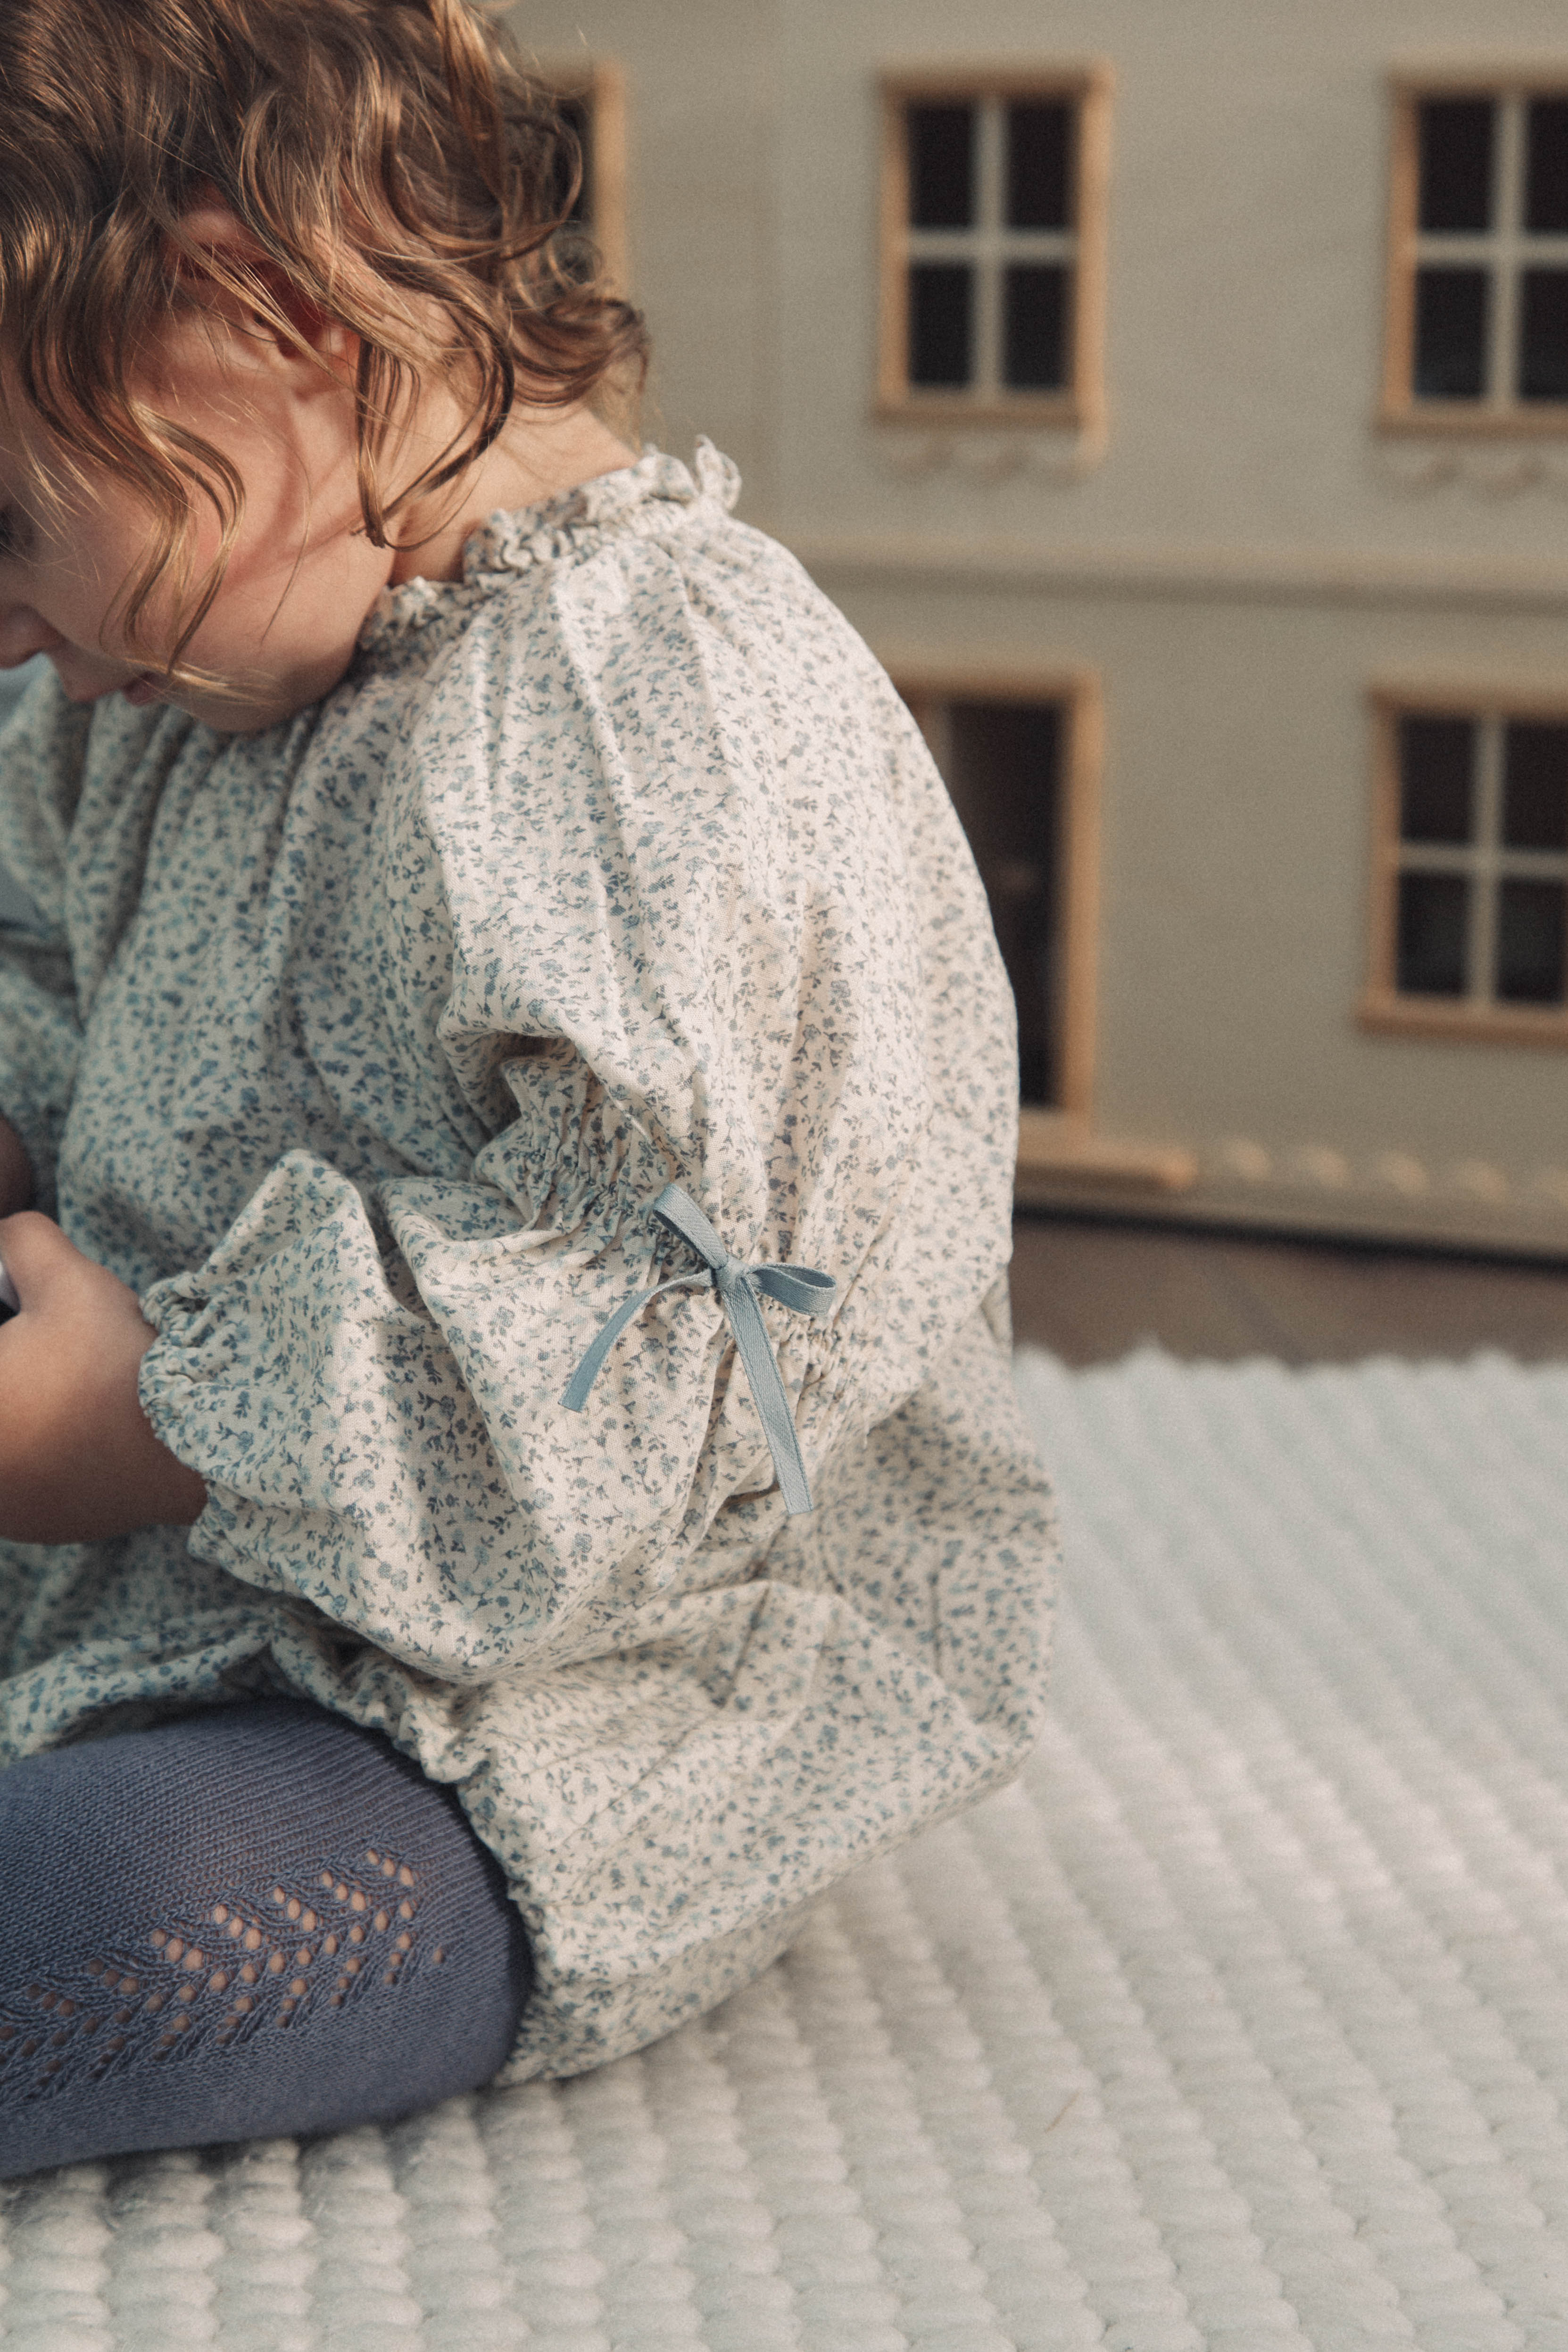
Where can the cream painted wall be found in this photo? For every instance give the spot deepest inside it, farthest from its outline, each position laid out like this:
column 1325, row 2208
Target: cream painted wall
column 703, row 77
column 1248, row 559
column 1248, row 181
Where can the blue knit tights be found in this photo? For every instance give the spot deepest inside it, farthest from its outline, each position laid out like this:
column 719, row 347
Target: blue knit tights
column 256, row 1920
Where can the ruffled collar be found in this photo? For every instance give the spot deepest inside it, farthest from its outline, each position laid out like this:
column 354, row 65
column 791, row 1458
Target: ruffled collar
column 508, row 543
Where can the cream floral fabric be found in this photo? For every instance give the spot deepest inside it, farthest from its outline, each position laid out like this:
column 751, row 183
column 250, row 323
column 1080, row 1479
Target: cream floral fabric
column 361, row 1048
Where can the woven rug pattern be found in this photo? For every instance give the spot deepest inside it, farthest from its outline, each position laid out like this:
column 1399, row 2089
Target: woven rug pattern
column 1240, row 2022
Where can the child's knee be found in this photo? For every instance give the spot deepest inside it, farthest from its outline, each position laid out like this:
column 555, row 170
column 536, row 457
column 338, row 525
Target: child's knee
column 260, row 1919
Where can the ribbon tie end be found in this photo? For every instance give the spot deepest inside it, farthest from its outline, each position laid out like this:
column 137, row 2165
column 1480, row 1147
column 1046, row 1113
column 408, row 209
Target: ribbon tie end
column 802, row 1289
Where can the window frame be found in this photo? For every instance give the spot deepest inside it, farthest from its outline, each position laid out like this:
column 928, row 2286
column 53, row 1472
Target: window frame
column 1448, row 1020
column 1081, row 406
column 602, row 82
column 1399, row 410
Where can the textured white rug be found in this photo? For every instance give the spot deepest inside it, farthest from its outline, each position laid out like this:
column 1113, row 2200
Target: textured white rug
column 1242, row 2023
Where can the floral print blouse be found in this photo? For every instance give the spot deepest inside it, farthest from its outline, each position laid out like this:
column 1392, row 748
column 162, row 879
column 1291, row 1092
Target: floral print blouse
column 361, row 1048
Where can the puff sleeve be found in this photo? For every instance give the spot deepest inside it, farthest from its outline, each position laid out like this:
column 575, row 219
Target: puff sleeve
column 657, row 902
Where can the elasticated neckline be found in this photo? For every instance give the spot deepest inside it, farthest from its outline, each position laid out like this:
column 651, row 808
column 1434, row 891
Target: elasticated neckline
column 508, row 543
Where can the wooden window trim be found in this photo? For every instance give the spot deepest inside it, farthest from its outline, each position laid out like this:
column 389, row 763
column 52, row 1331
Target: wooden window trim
column 921, row 680
column 1381, row 1009
column 1399, row 411
column 603, row 82
column 1082, row 408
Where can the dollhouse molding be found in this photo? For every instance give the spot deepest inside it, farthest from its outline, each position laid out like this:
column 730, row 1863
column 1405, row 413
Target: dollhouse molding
column 1501, row 466
column 1221, row 574
column 1064, row 454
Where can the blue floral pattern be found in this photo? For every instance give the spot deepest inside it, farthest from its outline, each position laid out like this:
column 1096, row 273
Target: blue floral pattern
column 361, row 1049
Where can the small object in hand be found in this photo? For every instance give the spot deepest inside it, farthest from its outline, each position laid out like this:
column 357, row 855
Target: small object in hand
column 9, row 1302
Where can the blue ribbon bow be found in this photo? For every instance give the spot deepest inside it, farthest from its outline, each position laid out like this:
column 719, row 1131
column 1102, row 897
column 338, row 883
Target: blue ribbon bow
column 738, row 1286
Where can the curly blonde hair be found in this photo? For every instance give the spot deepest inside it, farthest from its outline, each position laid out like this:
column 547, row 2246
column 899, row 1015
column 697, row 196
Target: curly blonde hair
column 397, row 174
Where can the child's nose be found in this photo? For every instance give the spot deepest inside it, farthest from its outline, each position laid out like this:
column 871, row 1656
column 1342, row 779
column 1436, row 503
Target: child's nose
column 22, row 634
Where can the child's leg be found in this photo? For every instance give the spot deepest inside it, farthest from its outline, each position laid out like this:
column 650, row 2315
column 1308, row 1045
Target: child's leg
column 256, row 1920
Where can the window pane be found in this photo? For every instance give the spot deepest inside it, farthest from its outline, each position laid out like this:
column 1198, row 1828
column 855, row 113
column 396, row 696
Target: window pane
column 1544, row 334
column 1530, row 942
column 1006, row 762
column 941, row 300
column 1546, row 166
column 1035, row 326
column 1450, row 334
column 1040, row 166
column 1433, row 917
column 941, row 166
column 1436, row 779
column 1535, row 786
column 1454, row 136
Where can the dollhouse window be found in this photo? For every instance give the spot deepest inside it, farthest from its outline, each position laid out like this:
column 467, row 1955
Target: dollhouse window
column 1471, row 927
column 992, row 247
column 1019, row 755
column 1477, row 330
column 591, row 100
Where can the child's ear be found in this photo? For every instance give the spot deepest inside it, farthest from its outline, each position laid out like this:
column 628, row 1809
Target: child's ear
column 217, row 260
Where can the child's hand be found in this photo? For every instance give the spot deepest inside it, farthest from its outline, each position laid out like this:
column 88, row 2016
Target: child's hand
column 78, row 1460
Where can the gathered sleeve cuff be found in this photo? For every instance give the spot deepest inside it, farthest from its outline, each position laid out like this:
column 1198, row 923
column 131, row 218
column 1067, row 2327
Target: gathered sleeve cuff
column 394, row 1449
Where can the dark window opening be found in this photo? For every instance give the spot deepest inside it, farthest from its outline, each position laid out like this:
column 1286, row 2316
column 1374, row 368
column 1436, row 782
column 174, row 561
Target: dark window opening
column 1451, row 333
column 1004, row 764
column 1535, row 785
column 1530, row 938
column 1436, row 779
column 573, row 240
column 942, row 328
column 1544, row 334
column 577, row 114
column 1035, row 326
column 941, row 166
column 1456, row 139
column 1546, row 167
column 1433, row 930
column 1039, row 164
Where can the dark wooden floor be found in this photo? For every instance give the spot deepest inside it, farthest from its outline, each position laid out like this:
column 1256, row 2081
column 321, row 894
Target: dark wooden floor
column 1091, row 1291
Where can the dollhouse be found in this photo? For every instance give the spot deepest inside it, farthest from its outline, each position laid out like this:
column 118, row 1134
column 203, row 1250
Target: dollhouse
column 1178, row 401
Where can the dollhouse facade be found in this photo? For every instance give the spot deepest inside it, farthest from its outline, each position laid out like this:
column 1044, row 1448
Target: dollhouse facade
column 1178, row 401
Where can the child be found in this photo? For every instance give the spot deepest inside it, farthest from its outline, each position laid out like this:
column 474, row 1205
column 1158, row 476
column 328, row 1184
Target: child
column 478, row 882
